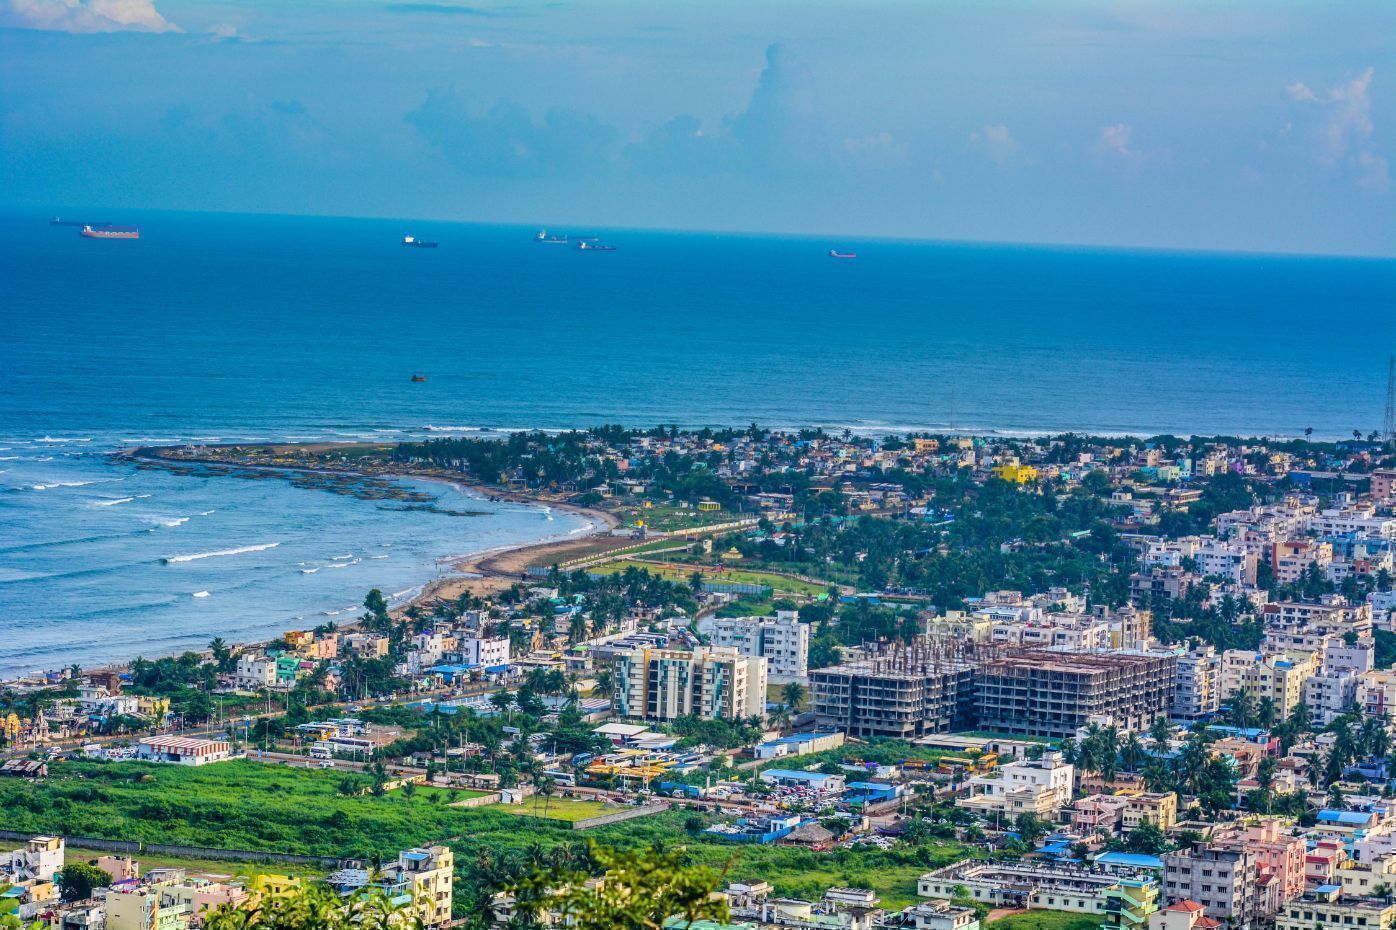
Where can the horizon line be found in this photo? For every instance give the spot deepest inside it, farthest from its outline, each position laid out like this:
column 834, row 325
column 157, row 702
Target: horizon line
column 761, row 233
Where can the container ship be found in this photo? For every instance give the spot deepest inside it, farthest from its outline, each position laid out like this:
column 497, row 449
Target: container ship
column 412, row 242
column 110, row 232
column 594, row 247
column 835, row 253
column 551, row 240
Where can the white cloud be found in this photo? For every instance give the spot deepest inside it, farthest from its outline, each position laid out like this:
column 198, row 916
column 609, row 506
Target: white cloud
column 998, row 144
column 85, row 15
column 1339, row 130
column 879, row 150
column 1114, row 140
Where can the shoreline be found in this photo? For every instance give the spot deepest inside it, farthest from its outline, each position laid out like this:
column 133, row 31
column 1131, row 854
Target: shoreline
column 483, row 572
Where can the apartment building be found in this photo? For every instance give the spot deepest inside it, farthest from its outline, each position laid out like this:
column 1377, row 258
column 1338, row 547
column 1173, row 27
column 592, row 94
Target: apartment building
column 1032, row 786
column 1280, row 678
column 708, row 682
column 488, row 651
column 783, row 641
column 1035, row 885
column 900, row 695
column 425, row 874
column 1328, row 908
column 1196, row 685
column 1224, row 881
column 255, row 672
column 1042, row 693
column 1376, row 693
column 1291, row 558
column 1279, row 858
column 1159, row 808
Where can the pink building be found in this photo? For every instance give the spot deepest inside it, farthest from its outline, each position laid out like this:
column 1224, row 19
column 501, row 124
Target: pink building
column 1321, row 865
column 1099, row 813
column 1280, row 859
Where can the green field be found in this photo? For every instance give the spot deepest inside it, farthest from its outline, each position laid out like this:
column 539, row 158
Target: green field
column 557, row 808
column 256, row 807
column 778, row 583
column 1045, row 920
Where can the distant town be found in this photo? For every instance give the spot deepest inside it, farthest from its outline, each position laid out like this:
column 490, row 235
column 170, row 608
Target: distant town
column 937, row 682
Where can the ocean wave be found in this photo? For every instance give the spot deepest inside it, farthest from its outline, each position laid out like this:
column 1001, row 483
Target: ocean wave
column 199, row 594
column 8, row 458
column 113, row 502
column 309, row 571
column 177, row 521
column 378, row 557
column 205, row 513
column 60, row 439
column 343, row 558
column 451, row 429
column 342, row 564
column 240, row 550
column 61, row 484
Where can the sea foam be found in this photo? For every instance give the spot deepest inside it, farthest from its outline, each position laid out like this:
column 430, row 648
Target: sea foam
column 221, row 552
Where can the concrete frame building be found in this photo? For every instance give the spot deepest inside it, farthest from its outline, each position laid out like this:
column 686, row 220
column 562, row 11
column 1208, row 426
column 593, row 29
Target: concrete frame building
column 710, row 682
column 1044, row 693
column 783, row 641
column 903, row 693
column 1225, row 881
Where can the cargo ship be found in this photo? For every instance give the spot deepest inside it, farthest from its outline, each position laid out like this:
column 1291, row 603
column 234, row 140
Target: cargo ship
column 418, row 378
column 551, row 240
column 110, row 232
column 835, row 253
column 59, row 221
column 412, row 242
column 594, row 247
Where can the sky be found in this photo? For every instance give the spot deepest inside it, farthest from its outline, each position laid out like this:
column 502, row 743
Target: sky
column 1249, row 126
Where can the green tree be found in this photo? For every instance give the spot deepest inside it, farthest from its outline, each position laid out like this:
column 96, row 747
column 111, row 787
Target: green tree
column 642, row 889
column 793, row 694
column 78, row 879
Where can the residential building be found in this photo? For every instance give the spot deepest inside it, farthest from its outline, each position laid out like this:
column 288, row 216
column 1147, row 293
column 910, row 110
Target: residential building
column 901, row 694
column 1033, row 786
column 1279, row 678
column 1328, row 908
column 38, row 860
column 1197, row 685
column 1225, row 881
column 1183, row 915
column 1098, row 813
column 939, row 914
column 1043, row 693
column 1159, row 808
column 709, row 682
column 1279, row 858
column 783, row 641
column 1035, row 885
column 486, row 651
column 255, row 672
column 425, row 875
column 1376, row 693
column 1130, row 903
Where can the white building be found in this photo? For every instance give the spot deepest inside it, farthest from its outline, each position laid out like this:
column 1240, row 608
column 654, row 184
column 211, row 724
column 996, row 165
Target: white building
column 1197, row 686
column 709, row 682
column 783, row 641
column 38, row 860
column 181, row 750
column 255, row 672
column 476, row 650
column 1034, row 786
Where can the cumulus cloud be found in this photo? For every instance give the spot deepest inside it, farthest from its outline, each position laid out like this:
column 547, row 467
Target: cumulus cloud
column 879, row 150
column 505, row 140
column 998, row 144
column 84, row 15
column 1336, row 126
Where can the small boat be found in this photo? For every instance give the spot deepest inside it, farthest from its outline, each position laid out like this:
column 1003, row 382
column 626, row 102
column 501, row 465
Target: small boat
column 551, row 240
column 412, row 242
column 419, row 378
column 110, row 232
column 835, row 253
column 594, row 247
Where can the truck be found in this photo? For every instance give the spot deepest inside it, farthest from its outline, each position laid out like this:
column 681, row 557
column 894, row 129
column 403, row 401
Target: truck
column 676, row 789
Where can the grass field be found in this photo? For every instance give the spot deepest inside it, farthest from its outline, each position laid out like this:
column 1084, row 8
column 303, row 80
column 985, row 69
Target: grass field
column 558, row 808
column 777, row 583
column 1045, row 920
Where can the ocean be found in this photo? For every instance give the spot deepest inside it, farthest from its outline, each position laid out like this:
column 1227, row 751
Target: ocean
column 250, row 327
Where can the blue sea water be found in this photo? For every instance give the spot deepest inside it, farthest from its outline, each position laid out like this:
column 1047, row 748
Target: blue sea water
column 242, row 327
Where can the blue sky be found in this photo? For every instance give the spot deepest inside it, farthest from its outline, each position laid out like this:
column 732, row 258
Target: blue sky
column 1249, row 126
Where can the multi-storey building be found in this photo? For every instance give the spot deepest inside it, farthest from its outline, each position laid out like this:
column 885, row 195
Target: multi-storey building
column 1042, row 693
column 1328, row 908
column 1278, row 678
column 1225, row 881
column 904, row 694
column 488, row 651
column 425, row 875
column 1196, row 685
column 255, row 672
column 1158, row 808
column 1034, row 786
column 709, row 682
column 783, row 641
column 1279, row 858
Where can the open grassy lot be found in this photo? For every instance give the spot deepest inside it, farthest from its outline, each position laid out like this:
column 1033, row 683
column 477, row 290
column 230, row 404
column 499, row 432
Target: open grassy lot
column 558, row 808
column 778, row 583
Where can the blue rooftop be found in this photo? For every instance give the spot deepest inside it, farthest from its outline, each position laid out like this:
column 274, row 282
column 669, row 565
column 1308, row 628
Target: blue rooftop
column 1131, row 860
column 1355, row 818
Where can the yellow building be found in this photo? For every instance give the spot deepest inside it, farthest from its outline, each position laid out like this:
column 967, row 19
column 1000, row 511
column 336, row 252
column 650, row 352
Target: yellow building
column 423, row 875
column 1281, row 679
column 709, row 505
column 1016, row 473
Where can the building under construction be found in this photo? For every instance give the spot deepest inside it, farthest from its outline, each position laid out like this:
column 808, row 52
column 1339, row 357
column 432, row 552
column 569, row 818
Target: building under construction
column 1046, row 693
column 901, row 691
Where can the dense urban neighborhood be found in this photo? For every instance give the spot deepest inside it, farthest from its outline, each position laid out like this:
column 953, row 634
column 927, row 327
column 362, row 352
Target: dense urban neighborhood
column 821, row 681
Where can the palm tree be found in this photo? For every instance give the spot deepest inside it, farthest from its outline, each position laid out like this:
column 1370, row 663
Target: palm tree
column 1132, row 753
column 793, row 694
